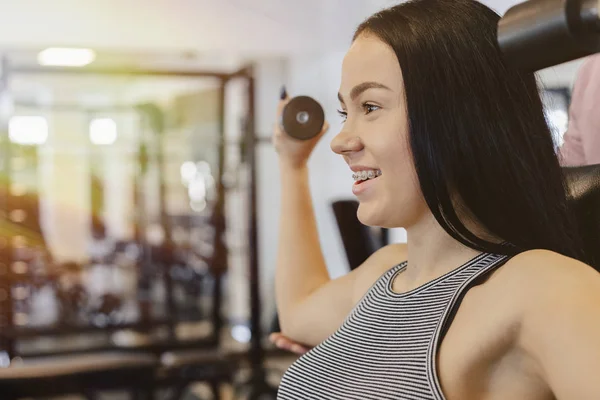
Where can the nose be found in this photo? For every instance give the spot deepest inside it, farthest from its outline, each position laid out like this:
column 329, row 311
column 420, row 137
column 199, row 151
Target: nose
column 345, row 144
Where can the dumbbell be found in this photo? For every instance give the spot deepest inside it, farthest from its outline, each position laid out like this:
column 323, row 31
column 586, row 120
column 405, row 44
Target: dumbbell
column 302, row 118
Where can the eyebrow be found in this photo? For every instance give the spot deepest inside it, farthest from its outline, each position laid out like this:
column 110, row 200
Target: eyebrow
column 360, row 88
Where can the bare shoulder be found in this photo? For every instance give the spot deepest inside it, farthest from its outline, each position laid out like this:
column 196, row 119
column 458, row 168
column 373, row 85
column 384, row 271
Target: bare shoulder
column 537, row 277
column 549, row 287
column 546, row 272
column 560, row 320
column 376, row 265
column 384, row 259
column 395, row 253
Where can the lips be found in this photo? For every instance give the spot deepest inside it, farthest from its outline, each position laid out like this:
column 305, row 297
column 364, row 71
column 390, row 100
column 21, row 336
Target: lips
column 364, row 179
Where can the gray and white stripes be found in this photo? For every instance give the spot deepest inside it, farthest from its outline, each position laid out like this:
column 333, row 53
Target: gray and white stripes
column 386, row 348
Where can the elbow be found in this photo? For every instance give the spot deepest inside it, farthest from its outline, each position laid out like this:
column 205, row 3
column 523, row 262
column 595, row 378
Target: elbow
column 287, row 326
column 292, row 325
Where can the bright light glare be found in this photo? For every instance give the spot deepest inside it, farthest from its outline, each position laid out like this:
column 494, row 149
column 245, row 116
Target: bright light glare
column 188, row 171
column 241, row 333
column 28, row 130
column 198, row 206
column 103, row 131
column 203, row 167
column 558, row 121
column 66, row 57
column 197, row 190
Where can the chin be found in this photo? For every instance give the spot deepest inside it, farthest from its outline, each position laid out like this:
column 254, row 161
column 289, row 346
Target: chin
column 377, row 217
column 369, row 216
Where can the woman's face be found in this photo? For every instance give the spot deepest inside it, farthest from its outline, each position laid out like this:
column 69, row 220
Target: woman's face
column 374, row 136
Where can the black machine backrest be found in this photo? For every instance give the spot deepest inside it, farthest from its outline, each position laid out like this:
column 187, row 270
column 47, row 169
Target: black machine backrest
column 584, row 193
column 358, row 239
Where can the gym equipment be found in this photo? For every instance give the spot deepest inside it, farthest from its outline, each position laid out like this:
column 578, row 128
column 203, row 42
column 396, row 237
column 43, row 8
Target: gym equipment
column 302, row 118
column 185, row 360
column 584, row 192
column 72, row 300
column 256, row 387
column 358, row 239
column 538, row 34
column 105, row 310
column 86, row 373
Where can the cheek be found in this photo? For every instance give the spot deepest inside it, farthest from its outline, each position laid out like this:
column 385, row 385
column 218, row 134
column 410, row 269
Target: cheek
column 397, row 161
column 403, row 193
column 403, row 202
column 402, row 184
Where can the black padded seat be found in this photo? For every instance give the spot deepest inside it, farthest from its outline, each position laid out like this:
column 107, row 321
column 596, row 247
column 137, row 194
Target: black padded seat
column 584, row 195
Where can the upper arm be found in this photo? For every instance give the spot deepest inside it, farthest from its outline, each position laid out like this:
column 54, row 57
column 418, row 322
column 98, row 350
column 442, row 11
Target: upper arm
column 561, row 328
column 319, row 315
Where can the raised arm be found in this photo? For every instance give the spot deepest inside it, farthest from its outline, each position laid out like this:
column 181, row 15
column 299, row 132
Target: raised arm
column 311, row 306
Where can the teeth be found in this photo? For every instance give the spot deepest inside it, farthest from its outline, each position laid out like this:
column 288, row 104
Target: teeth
column 364, row 175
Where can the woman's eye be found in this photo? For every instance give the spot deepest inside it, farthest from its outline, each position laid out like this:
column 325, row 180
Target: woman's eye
column 369, row 108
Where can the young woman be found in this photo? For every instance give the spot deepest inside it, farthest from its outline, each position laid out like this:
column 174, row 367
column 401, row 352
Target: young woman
column 491, row 297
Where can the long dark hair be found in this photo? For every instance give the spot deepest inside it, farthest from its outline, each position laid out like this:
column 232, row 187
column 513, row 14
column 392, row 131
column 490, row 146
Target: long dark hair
column 477, row 128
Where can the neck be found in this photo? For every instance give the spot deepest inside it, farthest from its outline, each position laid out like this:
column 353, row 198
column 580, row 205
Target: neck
column 432, row 252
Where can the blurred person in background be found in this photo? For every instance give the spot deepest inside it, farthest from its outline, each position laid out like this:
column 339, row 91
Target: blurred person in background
column 582, row 139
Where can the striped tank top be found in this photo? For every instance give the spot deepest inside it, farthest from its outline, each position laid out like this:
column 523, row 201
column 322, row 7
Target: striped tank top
column 386, row 348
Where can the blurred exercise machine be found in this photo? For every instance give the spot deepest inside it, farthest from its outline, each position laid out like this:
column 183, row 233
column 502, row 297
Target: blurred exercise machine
column 538, row 34
column 141, row 367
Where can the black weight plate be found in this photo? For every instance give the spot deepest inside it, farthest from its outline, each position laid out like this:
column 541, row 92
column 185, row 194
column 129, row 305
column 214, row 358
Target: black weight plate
column 303, row 118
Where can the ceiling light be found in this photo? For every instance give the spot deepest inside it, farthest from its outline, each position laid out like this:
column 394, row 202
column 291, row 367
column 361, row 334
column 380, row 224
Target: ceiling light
column 66, row 57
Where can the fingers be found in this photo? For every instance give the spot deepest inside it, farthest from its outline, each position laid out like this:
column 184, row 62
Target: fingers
column 324, row 129
column 283, row 93
column 297, row 349
column 284, row 343
column 283, row 100
column 274, row 336
column 322, row 133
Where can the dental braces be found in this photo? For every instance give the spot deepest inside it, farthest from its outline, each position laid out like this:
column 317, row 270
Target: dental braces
column 364, row 175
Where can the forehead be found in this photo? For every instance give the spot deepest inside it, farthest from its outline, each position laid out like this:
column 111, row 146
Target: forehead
column 370, row 59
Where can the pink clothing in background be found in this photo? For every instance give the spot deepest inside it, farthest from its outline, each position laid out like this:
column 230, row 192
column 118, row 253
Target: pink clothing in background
column 582, row 140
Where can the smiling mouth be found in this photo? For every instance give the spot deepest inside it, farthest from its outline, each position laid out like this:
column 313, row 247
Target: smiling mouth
column 363, row 176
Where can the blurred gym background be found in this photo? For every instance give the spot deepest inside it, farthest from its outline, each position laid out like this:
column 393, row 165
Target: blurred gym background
column 139, row 192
